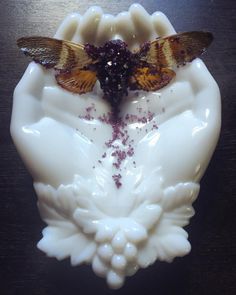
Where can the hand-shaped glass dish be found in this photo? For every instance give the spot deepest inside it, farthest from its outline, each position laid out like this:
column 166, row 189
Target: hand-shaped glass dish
column 119, row 203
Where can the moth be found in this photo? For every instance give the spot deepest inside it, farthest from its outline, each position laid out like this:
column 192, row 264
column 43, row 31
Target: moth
column 151, row 67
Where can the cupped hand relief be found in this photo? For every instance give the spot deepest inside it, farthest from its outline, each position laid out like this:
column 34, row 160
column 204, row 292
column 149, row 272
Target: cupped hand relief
column 116, row 119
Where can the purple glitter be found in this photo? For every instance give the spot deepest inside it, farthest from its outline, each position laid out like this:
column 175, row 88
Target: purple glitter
column 117, row 178
column 119, row 132
column 114, row 66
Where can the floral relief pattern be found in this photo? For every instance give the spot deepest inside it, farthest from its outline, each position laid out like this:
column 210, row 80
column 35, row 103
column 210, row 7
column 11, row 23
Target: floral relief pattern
column 117, row 244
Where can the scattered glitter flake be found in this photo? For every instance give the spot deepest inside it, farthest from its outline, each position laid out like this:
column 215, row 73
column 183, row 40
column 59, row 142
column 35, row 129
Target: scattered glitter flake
column 88, row 111
column 117, row 133
column 150, row 116
column 130, row 118
column 87, row 117
column 117, row 180
column 106, row 118
column 120, row 133
column 120, row 156
column 139, row 109
column 124, row 141
column 130, row 151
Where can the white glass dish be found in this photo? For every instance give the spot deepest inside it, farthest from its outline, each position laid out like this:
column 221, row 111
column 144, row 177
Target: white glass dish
column 63, row 142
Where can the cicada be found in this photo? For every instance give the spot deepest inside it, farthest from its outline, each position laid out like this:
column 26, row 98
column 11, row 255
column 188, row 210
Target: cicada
column 151, row 67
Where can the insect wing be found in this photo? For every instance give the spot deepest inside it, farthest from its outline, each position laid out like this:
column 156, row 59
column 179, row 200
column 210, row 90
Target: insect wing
column 177, row 49
column 52, row 53
column 77, row 81
column 150, row 78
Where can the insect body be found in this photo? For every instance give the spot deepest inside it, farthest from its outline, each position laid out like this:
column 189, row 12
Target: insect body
column 78, row 67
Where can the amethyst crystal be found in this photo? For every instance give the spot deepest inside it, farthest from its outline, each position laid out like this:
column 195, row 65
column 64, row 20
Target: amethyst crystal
column 114, row 69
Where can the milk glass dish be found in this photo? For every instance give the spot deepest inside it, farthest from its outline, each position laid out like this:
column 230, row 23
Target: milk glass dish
column 117, row 215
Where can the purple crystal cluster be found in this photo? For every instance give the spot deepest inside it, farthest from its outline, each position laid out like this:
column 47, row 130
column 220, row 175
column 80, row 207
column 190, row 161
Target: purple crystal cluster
column 114, row 69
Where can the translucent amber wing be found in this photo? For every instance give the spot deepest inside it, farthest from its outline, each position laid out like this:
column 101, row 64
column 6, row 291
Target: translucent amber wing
column 77, row 81
column 52, row 53
column 151, row 79
column 177, row 49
